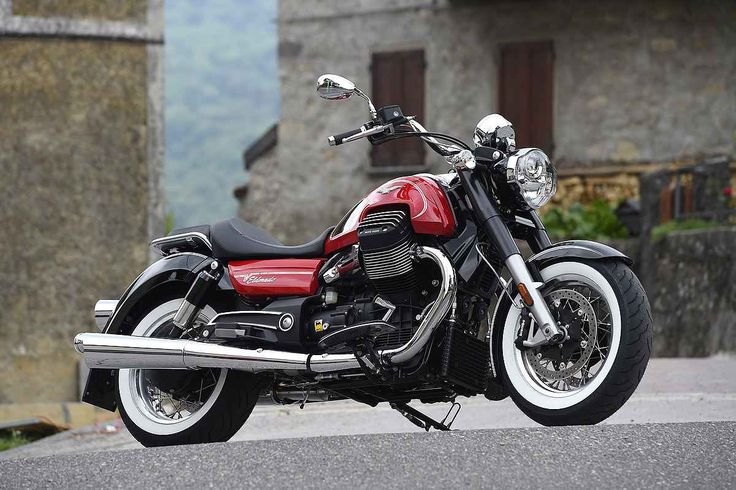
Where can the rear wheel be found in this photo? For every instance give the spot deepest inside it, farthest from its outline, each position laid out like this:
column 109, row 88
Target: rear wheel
column 170, row 407
column 588, row 377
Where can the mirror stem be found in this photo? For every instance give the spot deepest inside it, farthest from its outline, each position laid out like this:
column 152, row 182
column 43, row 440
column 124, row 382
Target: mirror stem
column 371, row 107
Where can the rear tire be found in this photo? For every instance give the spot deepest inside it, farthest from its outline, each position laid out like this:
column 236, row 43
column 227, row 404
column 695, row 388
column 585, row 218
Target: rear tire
column 230, row 400
column 630, row 340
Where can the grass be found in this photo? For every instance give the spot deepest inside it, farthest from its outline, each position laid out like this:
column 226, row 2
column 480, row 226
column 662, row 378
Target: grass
column 660, row 231
column 11, row 440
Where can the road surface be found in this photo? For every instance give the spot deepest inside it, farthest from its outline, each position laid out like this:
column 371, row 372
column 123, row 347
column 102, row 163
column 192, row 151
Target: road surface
column 689, row 455
column 679, row 429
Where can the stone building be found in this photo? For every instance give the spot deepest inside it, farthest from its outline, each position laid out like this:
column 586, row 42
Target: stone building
column 609, row 88
column 81, row 159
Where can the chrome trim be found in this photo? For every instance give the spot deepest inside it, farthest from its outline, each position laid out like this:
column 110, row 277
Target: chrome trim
column 556, row 248
column 520, row 272
column 495, row 131
column 525, row 221
column 156, row 244
column 286, row 316
column 185, row 314
column 245, row 312
column 386, row 304
column 127, row 352
column 246, row 323
column 435, row 315
column 104, row 309
column 257, row 325
column 445, row 180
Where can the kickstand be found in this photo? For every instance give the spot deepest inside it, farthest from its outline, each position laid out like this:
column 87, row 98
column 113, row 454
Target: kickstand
column 424, row 421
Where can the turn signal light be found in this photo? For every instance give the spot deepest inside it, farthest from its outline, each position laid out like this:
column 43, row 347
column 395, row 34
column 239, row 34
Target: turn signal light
column 524, row 292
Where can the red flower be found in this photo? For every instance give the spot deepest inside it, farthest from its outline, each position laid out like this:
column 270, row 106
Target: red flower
column 728, row 192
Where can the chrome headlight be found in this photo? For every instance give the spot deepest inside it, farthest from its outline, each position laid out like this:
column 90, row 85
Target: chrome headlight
column 530, row 171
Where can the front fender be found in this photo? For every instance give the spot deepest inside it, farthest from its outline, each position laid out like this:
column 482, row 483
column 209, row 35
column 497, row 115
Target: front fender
column 580, row 249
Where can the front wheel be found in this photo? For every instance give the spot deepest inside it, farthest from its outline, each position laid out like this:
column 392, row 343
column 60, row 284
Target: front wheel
column 589, row 376
column 170, row 407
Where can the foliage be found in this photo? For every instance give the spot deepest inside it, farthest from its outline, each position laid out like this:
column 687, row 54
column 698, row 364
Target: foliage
column 11, row 440
column 222, row 92
column 168, row 223
column 660, row 231
column 596, row 221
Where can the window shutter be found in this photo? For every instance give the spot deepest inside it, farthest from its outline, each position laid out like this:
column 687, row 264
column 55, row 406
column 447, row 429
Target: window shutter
column 398, row 79
column 526, row 92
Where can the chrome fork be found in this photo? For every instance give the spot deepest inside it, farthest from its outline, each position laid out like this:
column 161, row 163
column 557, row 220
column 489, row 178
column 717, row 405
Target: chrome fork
column 529, row 291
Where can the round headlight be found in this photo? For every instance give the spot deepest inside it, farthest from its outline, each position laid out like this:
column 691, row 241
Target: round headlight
column 531, row 172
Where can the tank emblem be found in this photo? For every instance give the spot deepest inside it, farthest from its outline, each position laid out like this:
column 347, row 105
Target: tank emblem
column 386, row 190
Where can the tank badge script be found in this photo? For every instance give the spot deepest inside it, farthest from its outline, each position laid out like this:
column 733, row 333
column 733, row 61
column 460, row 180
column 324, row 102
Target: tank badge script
column 257, row 278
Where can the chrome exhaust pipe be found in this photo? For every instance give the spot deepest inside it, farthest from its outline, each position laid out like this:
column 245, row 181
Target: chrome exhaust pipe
column 110, row 351
column 107, row 351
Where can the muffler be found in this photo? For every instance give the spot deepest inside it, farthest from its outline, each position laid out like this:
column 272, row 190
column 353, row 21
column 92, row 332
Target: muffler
column 108, row 351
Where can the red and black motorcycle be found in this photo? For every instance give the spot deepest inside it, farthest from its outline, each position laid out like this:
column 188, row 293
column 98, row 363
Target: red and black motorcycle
column 402, row 300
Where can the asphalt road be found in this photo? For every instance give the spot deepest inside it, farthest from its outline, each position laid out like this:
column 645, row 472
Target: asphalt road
column 688, row 455
column 684, row 434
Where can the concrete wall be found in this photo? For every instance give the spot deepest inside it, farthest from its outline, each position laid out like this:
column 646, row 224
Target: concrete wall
column 80, row 153
column 634, row 82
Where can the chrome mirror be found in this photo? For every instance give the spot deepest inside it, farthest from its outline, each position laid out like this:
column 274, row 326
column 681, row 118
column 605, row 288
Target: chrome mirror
column 334, row 87
column 497, row 132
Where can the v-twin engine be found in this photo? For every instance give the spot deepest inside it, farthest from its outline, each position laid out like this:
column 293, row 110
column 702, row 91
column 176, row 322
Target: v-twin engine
column 386, row 239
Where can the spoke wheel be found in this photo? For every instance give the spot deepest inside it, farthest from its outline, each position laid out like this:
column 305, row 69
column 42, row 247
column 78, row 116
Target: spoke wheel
column 604, row 312
column 167, row 401
column 576, row 361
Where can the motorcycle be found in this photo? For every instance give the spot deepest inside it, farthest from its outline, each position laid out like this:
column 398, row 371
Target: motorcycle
column 402, row 300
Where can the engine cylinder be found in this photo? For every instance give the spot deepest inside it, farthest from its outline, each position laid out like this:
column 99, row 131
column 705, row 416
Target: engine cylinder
column 386, row 238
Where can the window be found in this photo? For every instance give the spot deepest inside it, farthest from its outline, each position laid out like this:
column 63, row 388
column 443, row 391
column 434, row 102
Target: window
column 526, row 88
column 398, row 79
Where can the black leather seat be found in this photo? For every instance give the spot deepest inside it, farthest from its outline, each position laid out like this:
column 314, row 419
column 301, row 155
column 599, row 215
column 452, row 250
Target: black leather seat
column 235, row 239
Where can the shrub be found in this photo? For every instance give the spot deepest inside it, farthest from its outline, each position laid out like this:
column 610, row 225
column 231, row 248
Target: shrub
column 596, row 221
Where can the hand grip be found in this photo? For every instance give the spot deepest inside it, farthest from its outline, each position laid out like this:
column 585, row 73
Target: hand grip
column 338, row 138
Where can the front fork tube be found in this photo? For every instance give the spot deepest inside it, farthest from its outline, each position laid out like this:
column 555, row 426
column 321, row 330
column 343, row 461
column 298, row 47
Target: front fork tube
column 196, row 297
column 529, row 290
column 490, row 219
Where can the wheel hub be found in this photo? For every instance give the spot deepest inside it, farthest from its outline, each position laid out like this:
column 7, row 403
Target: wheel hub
column 573, row 311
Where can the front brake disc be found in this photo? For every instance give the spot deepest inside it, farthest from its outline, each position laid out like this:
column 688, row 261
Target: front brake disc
column 561, row 361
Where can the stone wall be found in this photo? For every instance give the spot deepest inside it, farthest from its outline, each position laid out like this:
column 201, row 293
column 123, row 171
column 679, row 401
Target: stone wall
column 634, row 82
column 692, row 290
column 80, row 153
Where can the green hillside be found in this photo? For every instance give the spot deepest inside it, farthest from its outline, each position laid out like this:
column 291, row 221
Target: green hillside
column 221, row 93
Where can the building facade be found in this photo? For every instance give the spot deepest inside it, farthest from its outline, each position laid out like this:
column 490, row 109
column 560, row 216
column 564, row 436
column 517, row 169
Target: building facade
column 600, row 85
column 81, row 151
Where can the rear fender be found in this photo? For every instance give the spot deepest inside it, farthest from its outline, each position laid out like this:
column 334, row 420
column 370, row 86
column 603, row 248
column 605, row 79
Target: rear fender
column 182, row 268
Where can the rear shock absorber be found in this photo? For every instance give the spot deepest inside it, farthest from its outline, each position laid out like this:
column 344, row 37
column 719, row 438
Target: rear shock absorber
column 196, row 297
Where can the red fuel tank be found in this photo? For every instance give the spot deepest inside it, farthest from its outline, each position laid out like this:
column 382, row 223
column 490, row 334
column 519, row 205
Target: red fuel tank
column 429, row 207
column 277, row 277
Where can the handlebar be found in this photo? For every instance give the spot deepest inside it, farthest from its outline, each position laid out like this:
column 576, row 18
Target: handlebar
column 339, row 139
column 448, row 151
column 356, row 134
